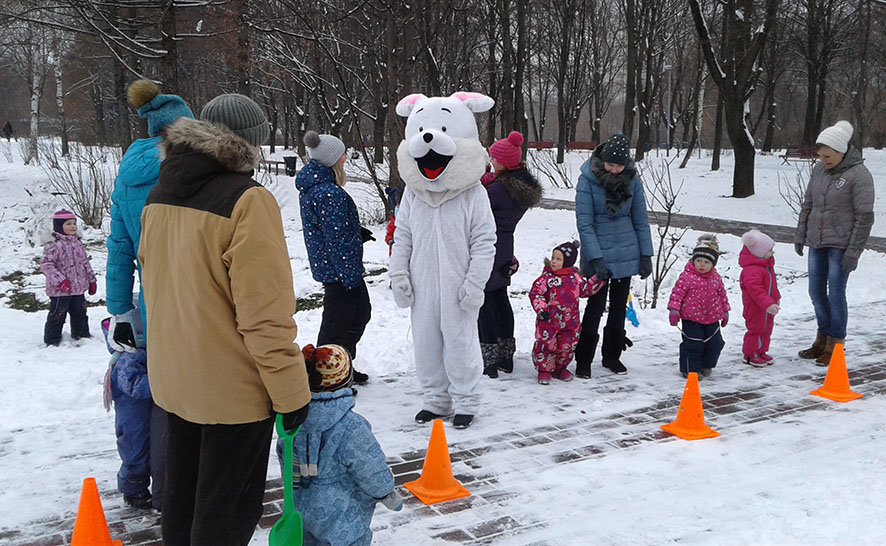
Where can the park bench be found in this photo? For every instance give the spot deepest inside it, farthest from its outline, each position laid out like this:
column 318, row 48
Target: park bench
column 268, row 166
column 541, row 145
column 582, row 145
column 804, row 153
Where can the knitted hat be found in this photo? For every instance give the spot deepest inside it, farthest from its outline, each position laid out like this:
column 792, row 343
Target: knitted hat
column 708, row 248
column 758, row 243
column 326, row 149
column 507, row 150
column 569, row 251
column 59, row 219
column 159, row 110
column 242, row 115
column 836, row 136
column 329, row 367
column 616, row 150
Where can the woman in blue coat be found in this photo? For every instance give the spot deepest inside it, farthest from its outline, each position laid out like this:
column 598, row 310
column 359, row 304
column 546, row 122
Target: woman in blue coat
column 616, row 244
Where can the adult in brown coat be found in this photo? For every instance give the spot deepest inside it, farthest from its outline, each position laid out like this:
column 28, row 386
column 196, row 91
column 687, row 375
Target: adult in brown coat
column 220, row 304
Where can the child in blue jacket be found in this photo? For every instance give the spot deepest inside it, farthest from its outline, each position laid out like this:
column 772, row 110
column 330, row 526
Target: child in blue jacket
column 126, row 383
column 339, row 470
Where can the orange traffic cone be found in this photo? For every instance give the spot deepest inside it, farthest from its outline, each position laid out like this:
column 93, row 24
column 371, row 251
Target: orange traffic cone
column 690, row 424
column 90, row 527
column 836, row 382
column 436, row 483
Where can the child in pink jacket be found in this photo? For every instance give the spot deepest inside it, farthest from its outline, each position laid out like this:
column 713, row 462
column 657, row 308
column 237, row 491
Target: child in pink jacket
column 68, row 276
column 699, row 299
column 759, row 295
column 555, row 297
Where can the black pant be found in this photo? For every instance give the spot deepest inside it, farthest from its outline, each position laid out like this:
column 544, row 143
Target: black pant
column 700, row 347
column 159, row 439
column 345, row 315
column 59, row 307
column 215, row 482
column 613, row 333
column 496, row 319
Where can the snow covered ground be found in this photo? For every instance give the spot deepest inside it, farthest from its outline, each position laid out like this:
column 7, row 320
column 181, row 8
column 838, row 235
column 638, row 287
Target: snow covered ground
column 816, row 478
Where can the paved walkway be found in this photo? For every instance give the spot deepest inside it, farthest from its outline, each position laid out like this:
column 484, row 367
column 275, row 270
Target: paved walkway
column 477, row 464
column 782, row 234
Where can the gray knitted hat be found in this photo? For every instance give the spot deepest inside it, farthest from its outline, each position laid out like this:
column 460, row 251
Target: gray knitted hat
column 326, row 149
column 241, row 115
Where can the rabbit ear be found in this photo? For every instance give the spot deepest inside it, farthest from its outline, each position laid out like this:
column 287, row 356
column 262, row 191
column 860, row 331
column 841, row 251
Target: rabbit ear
column 407, row 104
column 308, row 352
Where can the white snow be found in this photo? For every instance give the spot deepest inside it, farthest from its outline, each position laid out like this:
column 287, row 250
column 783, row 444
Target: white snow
column 811, row 478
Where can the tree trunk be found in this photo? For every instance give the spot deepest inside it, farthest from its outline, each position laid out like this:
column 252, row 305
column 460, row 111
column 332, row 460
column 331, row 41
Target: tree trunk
column 507, row 90
column 60, row 97
column 378, row 133
column 770, row 126
column 718, row 134
column 167, row 42
column 242, row 61
column 630, row 68
column 520, row 120
column 36, row 95
column 742, row 147
column 124, row 131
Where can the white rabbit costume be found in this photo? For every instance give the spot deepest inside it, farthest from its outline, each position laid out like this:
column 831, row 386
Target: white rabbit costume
column 445, row 245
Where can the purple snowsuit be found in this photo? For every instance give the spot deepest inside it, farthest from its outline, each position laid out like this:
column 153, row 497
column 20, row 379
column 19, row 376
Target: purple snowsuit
column 65, row 258
column 558, row 292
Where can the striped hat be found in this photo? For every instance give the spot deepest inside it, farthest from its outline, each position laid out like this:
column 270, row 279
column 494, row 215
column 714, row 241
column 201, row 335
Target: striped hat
column 331, row 364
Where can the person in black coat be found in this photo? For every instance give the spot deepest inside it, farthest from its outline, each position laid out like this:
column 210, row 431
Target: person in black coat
column 512, row 191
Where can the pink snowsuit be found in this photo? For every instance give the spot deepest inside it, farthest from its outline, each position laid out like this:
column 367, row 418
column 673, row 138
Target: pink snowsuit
column 65, row 258
column 759, row 290
column 558, row 292
column 699, row 298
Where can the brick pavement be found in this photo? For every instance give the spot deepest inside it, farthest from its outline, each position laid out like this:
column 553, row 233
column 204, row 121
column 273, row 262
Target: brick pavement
column 477, row 464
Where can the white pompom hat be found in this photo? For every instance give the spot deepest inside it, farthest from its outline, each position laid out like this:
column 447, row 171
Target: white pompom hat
column 836, row 136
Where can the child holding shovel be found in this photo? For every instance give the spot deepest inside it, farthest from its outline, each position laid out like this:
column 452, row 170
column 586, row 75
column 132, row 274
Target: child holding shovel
column 340, row 471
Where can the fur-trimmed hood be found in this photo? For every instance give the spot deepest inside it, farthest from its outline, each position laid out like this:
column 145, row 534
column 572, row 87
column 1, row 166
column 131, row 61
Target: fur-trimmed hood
column 219, row 143
column 521, row 186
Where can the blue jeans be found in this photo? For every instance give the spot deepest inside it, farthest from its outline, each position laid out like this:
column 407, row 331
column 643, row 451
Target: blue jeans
column 827, row 289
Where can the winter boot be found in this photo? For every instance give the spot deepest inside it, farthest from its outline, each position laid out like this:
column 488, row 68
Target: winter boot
column 426, row 416
column 817, row 348
column 544, row 378
column 755, row 361
column 613, row 345
column 139, row 502
column 490, row 352
column 584, row 354
column 563, row 374
column 506, row 349
column 360, row 378
column 824, row 359
column 462, row 420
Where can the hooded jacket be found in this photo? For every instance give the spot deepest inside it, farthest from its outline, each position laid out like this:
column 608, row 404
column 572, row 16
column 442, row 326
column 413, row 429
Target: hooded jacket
column 511, row 194
column 699, row 298
column 218, row 285
column 331, row 227
column 135, row 178
column 65, row 258
column 339, row 470
column 619, row 237
column 838, row 209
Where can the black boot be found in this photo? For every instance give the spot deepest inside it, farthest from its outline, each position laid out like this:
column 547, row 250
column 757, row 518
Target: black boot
column 52, row 332
column 506, row 349
column 613, row 345
column 490, row 354
column 584, row 354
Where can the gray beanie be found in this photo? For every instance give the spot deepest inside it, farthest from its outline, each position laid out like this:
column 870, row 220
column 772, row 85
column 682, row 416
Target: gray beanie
column 242, row 115
column 326, row 149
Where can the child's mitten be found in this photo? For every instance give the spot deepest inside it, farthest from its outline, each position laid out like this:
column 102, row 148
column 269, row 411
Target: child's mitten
column 392, row 501
column 725, row 320
column 92, row 288
column 674, row 317
column 544, row 316
column 772, row 309
column 65, row 285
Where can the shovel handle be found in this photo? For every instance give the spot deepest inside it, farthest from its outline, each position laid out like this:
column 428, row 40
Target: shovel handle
column 288, row 436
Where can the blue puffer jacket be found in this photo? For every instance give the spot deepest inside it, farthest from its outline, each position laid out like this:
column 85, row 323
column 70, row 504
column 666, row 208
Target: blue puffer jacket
column 351, row 472
column 138, row 173
column 132, row 421
column 331, row 226
column 620, row 238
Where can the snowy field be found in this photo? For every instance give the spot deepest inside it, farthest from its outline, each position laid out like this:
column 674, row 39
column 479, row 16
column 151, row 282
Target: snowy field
column 816, row 478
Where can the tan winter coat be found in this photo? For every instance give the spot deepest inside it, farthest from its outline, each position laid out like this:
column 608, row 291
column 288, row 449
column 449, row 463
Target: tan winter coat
column 218, row 285
column 838, row 210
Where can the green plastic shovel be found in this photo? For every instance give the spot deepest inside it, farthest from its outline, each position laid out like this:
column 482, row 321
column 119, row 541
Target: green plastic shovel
column 288, row 530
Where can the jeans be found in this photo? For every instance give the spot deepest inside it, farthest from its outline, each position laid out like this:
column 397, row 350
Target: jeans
column 496, row 319
column 827, row 289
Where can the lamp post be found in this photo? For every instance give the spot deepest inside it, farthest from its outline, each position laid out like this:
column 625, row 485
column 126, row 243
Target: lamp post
column 667, row 68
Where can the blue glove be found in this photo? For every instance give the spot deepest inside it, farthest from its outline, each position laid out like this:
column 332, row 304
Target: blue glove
column 600, row 269
column 645, row 266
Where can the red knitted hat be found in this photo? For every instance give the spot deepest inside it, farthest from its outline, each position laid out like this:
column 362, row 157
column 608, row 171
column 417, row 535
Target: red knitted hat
column 64, row 215
column 507, row 150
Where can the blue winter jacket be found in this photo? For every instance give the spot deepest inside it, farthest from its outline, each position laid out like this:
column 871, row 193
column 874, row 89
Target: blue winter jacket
column 138, row 173
column 351, row 472
column 331, row 227
column 132, row 421
column 619, row 238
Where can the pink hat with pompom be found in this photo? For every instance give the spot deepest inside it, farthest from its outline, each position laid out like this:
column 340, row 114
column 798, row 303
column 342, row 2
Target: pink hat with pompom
column 507, row 150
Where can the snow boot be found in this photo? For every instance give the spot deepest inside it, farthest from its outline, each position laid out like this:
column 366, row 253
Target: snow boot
column 490, row 353
column 824, row 359
column 613, row 345
column 139, row 502
column 755, row 361
column 426, row 416
column 544, row 378
column 462, row 420
column 563, row 374
column 706, row 372
column 506, row 349
column 817, row 347
column 584, row 354
column 360, row 378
